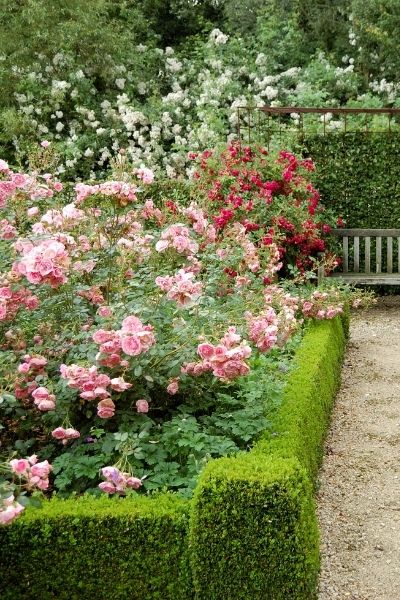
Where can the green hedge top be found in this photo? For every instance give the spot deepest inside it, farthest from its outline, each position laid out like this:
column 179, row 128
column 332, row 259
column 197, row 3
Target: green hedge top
column 358, row 176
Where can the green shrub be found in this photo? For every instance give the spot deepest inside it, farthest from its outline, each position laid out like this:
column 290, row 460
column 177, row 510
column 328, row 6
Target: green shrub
column 86, row 548
column 358, row 176
column 253, row 530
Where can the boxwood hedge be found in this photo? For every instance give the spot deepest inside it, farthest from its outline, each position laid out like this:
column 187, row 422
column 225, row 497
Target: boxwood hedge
column 358, row 176
column 250, row 531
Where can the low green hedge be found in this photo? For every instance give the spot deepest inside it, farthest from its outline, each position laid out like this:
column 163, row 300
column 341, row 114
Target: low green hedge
column 103, row 549
column 250, row 532
column 253, row 530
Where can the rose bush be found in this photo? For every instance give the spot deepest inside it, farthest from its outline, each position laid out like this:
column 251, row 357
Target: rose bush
column 135, row 336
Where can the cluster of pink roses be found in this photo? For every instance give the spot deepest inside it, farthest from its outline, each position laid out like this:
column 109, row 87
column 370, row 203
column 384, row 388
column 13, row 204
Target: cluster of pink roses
column 56, row 220
column 93, row 385
column 43, row 399
column 250, row 253
column 149, row 211
column 7, row 230
column 62, row 434
column 35, row 473
column 46, row 262
column 178, row 238
column 117, row 481
column 13, row 182
column 12, row 299
column 200, row 223
column 30, row 368
column 133, row 339
column 320, row 306
column 31, row 474
column 263, row 330
column 122, row 191
column 181, row 288
column 10, row 510
column 226, row 360
column 145, row 175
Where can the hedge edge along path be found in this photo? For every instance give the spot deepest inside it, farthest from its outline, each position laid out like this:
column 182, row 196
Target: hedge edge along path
column 253, row 529
column 249, row 533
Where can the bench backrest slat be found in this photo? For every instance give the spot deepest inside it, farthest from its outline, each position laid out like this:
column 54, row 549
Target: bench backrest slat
column 345, row 255
column 368, row 254
column 356, row 254
column 398, row 254
column 389, row 249
column 378, row 254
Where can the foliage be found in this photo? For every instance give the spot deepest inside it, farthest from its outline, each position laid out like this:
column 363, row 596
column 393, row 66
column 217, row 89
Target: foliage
column 357, row 176
column 94, row 80
column 374, row 31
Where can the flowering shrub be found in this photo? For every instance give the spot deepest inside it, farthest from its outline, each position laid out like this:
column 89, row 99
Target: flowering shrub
column 274, row 201
column 159, row 103
column 141, row 333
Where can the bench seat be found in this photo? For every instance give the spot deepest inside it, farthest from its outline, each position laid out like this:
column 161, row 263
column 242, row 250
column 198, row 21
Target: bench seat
column 368, row 278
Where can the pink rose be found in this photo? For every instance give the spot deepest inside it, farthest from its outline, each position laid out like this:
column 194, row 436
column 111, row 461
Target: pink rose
column 19, row 465
column 146, row 175
column 33, row 211
column 119, row 385
column 131, row 345
column 133, row 482
column 206, row 351
column 104, row 311
column 38, row 361
column 45, row 405
column 105, row 409
column 45, row 143
column 101, row 336
column 41, row 469
column 42, row 484
column 111, row 473
column 142, row 406
column 58, row 433
column 10, row 513
column 72, row 434
column 41, row 393
column 173, row 386
column 107, row 487
column 131, row 324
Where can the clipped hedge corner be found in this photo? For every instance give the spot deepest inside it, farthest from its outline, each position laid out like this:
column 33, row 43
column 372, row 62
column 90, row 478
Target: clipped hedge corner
column 253, row 530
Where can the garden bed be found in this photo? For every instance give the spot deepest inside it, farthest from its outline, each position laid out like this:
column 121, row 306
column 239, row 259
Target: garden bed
column 250, row 531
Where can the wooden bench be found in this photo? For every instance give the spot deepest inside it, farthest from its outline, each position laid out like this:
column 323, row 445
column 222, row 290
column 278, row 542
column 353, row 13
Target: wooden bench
column 356, row 256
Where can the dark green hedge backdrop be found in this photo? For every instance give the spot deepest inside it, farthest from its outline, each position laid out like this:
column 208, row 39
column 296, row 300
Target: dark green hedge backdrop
column 358, row 176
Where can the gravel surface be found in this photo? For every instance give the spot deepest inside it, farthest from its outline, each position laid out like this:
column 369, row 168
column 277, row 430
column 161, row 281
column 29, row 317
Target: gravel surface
column 359, row 495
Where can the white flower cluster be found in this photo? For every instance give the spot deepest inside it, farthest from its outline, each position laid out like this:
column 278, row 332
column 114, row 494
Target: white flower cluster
column 173, row 105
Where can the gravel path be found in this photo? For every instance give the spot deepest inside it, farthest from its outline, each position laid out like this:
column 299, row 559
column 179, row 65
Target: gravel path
column 359, row 496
